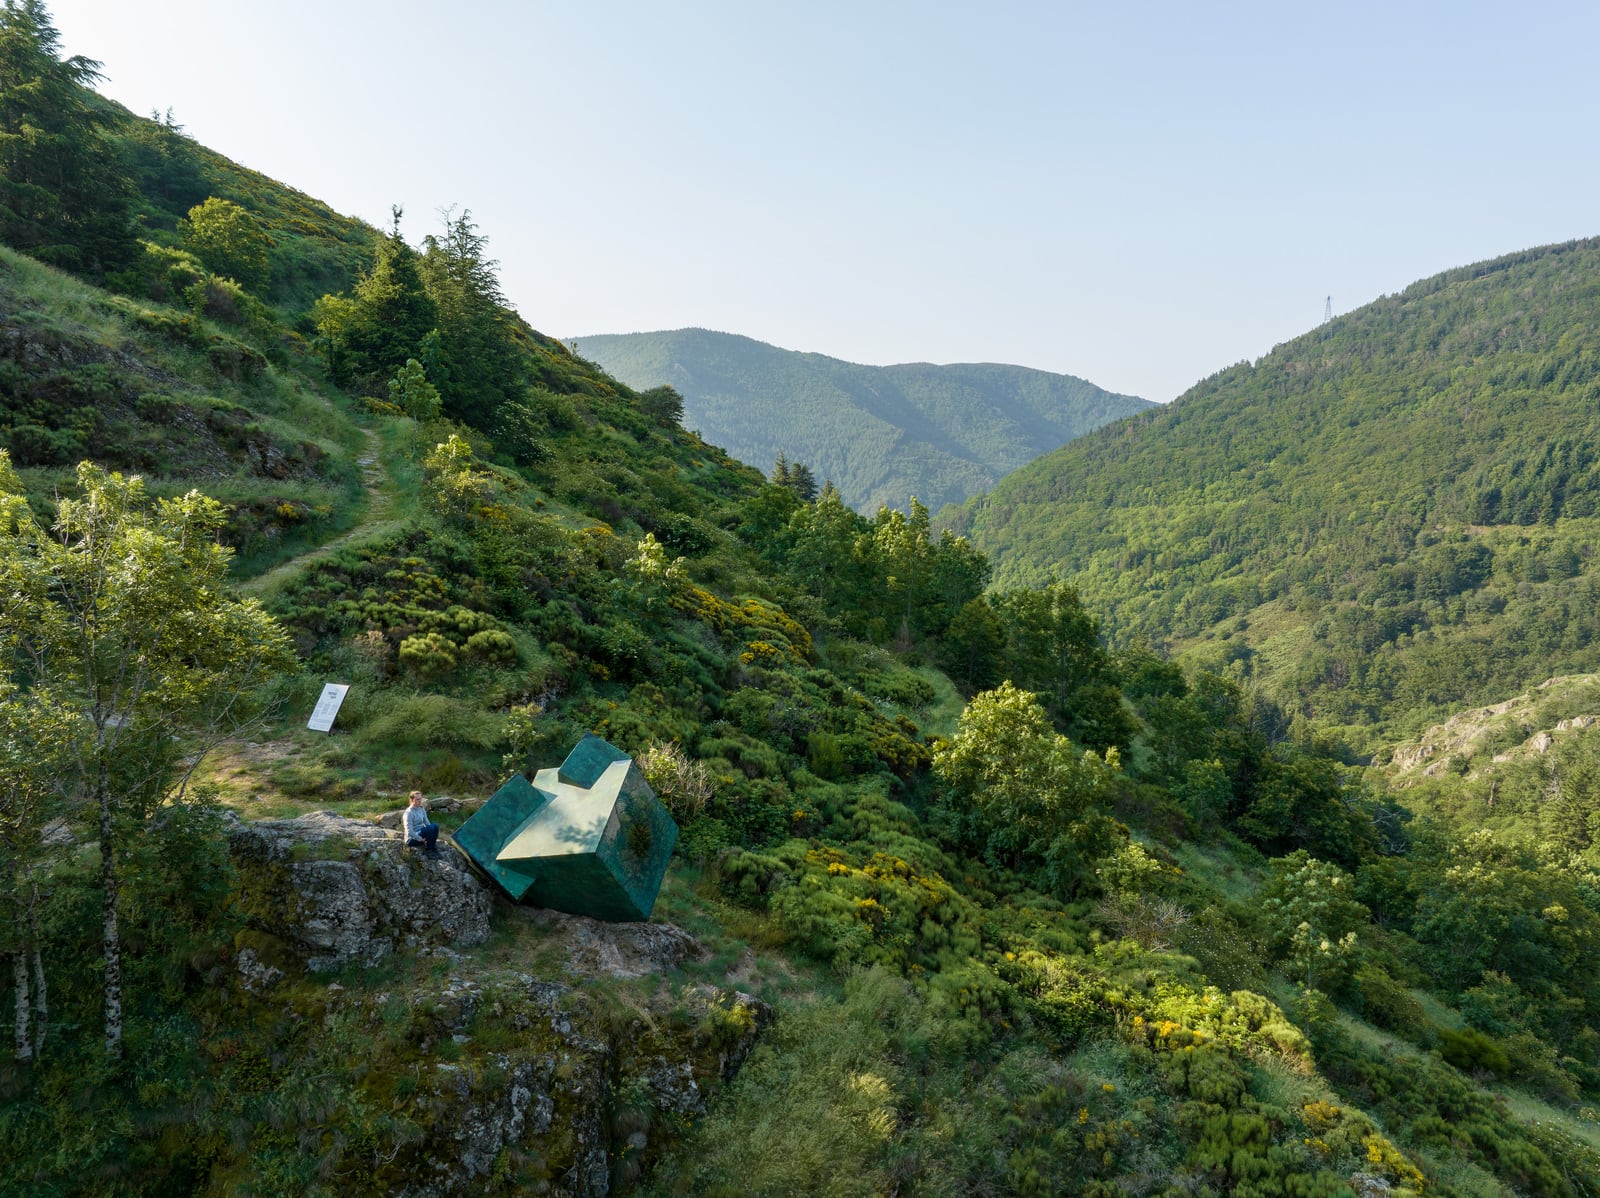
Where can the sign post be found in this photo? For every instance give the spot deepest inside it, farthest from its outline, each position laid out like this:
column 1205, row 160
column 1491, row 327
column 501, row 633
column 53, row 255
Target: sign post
column 327, row 707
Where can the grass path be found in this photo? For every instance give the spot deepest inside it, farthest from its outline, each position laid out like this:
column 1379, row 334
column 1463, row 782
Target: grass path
column 377, row 520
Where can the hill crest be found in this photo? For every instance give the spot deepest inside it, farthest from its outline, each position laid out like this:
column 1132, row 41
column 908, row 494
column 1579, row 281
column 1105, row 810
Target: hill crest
column 881, row 433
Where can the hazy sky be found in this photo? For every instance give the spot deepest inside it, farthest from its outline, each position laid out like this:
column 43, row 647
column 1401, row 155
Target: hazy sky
column 1137, row 193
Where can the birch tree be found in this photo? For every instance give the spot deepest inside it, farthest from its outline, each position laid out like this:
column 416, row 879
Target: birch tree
column 36, row 736
column 134, row 634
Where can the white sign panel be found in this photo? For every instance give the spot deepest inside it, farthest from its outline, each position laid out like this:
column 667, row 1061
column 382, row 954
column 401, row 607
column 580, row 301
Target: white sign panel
column 327, row 707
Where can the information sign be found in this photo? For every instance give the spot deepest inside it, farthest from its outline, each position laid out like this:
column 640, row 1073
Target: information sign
column 327, row 707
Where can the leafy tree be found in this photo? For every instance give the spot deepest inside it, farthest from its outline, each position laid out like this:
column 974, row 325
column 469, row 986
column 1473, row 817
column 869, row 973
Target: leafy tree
column 413, row 394
column 1312, row 910
column 1053, row 648
column 456, row 488
column 36, row 745
column 830, row 549
column 1021, row 793
column 1300, row 801
column 64, row 194
column 958, row 575
column 665, row 406
column 1053, row 643
column 126, row 622
column 973, row 645
column 229, row 240
column 902, row 544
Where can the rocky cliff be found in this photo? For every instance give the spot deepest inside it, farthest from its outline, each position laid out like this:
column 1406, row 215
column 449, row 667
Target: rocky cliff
column 562, row 1066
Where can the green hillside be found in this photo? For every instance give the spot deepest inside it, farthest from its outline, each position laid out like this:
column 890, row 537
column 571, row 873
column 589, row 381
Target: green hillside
column 1185, row 950
column 882, row 434
column 1391, row 514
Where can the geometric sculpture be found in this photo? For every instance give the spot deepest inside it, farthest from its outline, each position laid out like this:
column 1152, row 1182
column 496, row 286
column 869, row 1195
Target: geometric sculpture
column 588, row 837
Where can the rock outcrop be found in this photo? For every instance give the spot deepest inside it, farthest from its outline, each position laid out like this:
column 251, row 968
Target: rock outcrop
column 335, row 891
column 579, row 1102
column 491, row 1077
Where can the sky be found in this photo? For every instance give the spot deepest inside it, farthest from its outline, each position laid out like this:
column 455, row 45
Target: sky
column 1140, row 194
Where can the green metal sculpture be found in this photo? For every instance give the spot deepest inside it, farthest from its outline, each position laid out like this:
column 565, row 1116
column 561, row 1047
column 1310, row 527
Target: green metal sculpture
column 589, row 837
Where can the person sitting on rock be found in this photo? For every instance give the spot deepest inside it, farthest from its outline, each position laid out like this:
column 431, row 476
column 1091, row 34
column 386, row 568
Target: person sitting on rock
column 420, row 830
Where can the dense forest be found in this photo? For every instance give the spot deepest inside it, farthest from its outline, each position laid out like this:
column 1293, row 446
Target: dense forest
column 878, row 433
column 1388, row 515
column 1035, row 910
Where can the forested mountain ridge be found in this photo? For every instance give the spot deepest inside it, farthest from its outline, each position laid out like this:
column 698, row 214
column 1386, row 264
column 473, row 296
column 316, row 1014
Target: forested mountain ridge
column 1389, row 514
column 881, row 434
column 1032, row 917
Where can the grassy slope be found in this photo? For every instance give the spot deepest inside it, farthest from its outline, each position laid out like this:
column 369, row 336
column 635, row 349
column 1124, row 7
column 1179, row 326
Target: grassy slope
column 184, row 401
column 1388, row 515
column 881, row 433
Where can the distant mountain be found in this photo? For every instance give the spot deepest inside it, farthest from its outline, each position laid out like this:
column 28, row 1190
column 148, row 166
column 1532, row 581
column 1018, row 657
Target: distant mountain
column 881, row 433
column 1397, row 511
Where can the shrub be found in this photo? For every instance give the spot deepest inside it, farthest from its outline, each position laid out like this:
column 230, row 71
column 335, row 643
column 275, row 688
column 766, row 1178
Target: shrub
column 492, row 646
column 681, row 783
column 432, row 721
column 429, row 653
column 1472, row 1051
column 1389, row 1005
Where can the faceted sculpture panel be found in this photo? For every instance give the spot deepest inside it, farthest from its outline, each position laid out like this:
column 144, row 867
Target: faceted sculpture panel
column 588, row 837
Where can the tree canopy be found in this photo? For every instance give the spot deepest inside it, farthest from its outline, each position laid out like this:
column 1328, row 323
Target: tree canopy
column 65, row 196
column 118, row 620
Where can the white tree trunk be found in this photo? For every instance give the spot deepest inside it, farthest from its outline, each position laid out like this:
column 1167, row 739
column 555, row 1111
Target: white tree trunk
column 24, row 1048
column 110, row 940
column 41, row 1005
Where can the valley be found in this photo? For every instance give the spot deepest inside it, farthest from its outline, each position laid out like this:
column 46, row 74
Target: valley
column 1209, row 808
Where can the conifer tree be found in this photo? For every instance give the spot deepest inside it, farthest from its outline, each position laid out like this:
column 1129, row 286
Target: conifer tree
column 65, row 196
column 796, row 476
column 480, row 359
column 369, row 335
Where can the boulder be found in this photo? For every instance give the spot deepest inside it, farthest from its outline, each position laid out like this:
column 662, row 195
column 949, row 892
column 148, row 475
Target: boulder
column 334, row 891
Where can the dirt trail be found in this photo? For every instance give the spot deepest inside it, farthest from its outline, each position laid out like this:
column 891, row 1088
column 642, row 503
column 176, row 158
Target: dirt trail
column 379, row 487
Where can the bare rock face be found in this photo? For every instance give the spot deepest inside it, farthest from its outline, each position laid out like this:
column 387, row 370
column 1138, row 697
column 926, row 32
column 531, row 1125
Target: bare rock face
column 576, row 1104
column 595, row 948
column 336, row 891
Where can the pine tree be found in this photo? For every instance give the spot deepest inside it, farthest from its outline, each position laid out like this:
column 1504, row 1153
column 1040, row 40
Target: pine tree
column 369, row 335
column 65, row 196
column 482, row 362
column 802, row 482
column 796, row 476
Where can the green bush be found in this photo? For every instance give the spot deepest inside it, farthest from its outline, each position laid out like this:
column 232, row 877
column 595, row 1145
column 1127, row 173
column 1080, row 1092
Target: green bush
column 1473, row 1051
column 1385, row 1002
column 493, row 647
column 428, row 654
column 431, row 721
